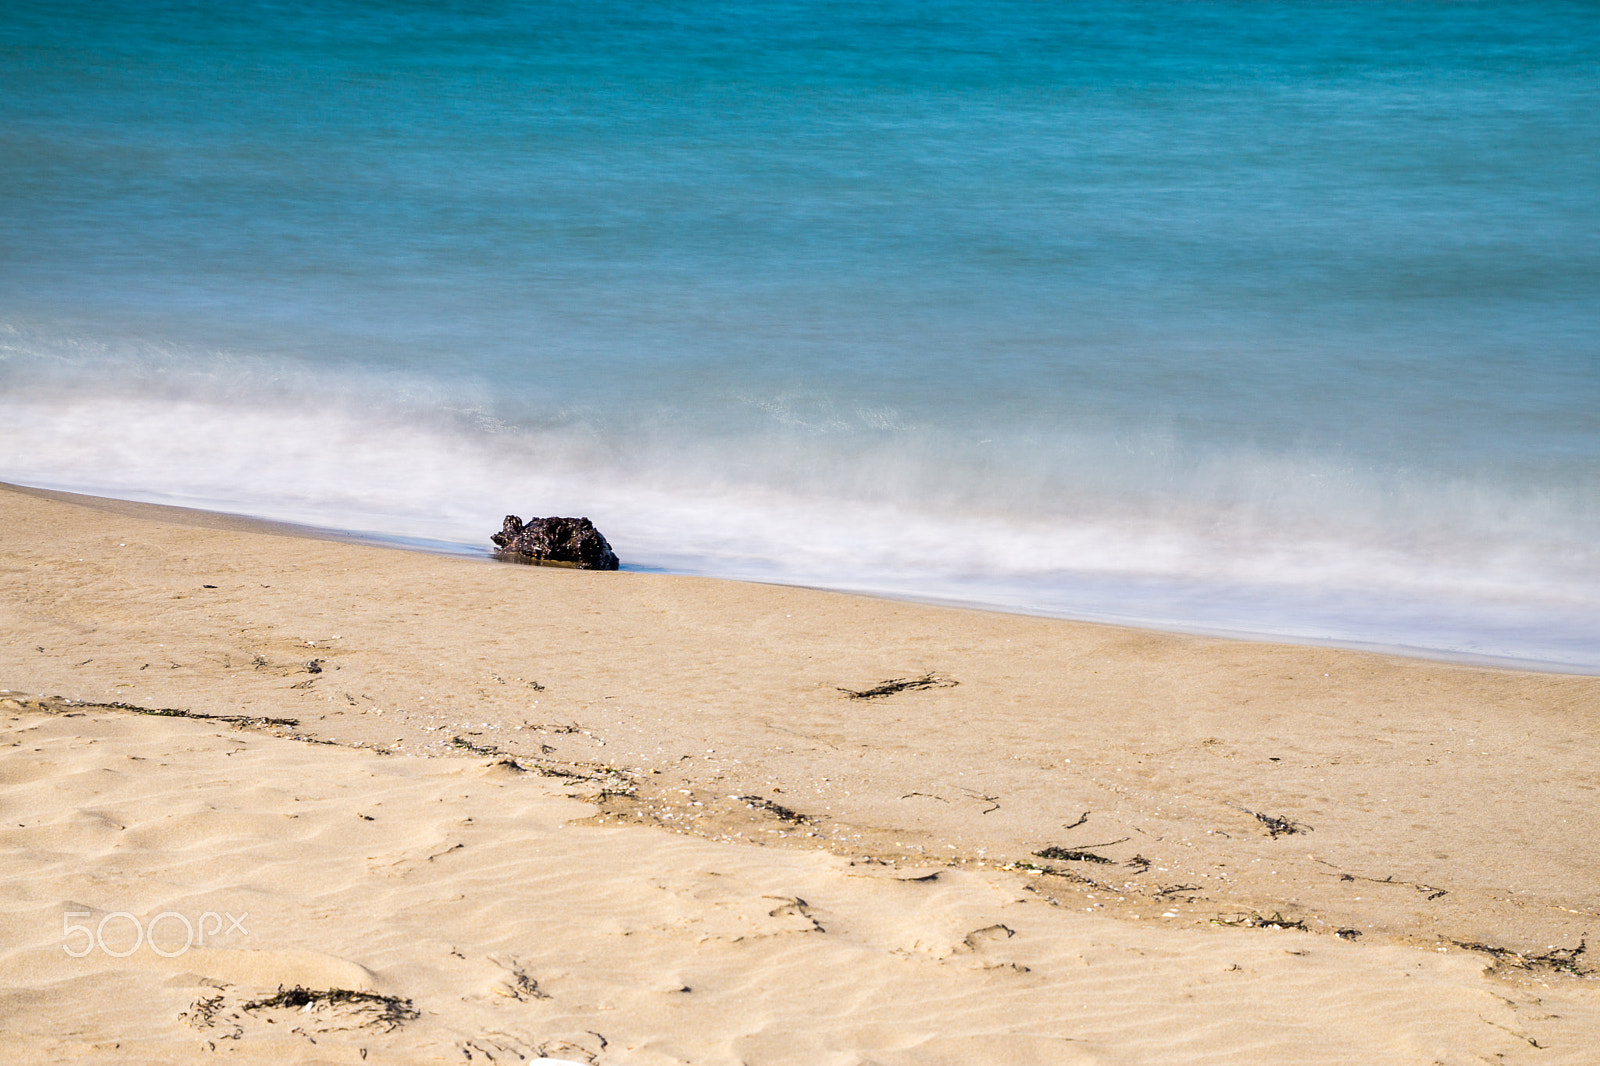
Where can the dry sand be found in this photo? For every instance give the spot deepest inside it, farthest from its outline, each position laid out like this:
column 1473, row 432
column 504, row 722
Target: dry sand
column 629, row 818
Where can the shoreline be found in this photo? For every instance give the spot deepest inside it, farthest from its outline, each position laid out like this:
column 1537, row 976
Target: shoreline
column 229, row 520
column 1175, row 784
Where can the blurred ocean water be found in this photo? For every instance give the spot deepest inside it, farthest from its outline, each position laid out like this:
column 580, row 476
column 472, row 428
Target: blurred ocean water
column 1264, row 318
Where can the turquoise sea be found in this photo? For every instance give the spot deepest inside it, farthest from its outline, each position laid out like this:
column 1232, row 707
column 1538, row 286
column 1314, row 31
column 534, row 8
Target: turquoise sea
column 1269, row 318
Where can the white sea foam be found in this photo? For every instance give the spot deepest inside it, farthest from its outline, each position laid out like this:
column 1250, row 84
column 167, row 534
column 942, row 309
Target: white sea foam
column 1251, row 549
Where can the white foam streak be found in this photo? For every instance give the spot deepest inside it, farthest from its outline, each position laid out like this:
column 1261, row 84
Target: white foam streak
column 1215, row 559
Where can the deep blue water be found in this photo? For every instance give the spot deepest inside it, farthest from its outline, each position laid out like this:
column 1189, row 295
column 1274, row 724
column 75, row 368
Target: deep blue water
column 1269, row 318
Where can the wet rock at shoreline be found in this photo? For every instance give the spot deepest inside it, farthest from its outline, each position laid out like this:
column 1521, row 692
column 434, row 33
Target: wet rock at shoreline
column 560, row 541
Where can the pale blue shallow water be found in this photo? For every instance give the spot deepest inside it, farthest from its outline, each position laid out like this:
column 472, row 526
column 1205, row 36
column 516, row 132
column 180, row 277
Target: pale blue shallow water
column 1267, row 318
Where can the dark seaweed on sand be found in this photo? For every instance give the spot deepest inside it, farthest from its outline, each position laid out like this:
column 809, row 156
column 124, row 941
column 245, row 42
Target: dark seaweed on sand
column 231, row 719
column 1071, row 855
column 1277, row 826
column 900, row 684
column 777, row 810
column 1562, row 960
column 388, row 1011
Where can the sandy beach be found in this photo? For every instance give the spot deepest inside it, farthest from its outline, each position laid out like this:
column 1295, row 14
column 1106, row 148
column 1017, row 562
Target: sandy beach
column 489, row 813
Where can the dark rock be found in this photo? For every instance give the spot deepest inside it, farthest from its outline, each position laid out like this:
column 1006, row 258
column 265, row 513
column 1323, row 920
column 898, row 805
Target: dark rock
column 563, row 541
